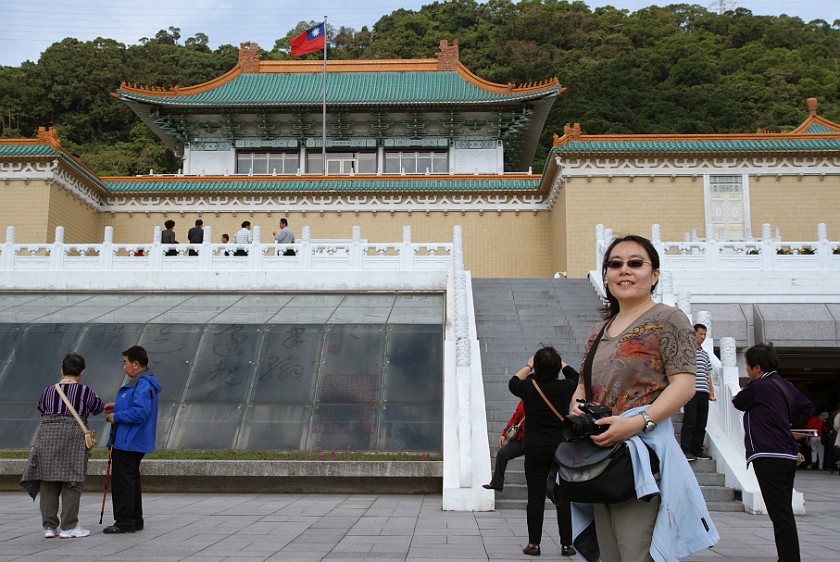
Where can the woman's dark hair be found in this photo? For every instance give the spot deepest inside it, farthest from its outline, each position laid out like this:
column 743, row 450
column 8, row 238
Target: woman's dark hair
column 547, row 364
column 169, row 224
column 763, row 355
column 72, row 365
column 612, row 308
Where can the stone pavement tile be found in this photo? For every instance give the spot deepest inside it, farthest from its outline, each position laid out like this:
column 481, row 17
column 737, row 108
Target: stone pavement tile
column 370, row 556
column 335, row 522
column 445, row 552
column 390, row 545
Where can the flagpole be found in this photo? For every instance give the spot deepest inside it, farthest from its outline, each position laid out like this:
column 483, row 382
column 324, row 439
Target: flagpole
column 324, row 104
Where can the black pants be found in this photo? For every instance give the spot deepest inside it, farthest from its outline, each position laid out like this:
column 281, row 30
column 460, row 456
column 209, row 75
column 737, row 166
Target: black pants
column 508, row 452
column 126, row 494
column 537, row 466
column 775, row 479
column 695, row 416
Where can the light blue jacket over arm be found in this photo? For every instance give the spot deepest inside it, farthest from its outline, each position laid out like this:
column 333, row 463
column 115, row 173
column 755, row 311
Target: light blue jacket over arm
column 683, row 525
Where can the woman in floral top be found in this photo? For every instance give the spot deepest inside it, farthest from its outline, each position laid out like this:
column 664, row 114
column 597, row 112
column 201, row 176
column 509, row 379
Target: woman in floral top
column 645, row 357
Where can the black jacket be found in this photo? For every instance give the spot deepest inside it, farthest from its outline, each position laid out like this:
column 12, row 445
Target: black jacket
column 766, row 420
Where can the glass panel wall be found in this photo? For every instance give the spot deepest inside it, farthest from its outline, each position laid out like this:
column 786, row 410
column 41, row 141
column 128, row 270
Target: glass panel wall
column 372, row 385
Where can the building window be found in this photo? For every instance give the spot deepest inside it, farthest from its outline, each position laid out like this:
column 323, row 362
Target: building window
column 398, row 162
column 267, row 163
column 726, row 206
column 342, row 163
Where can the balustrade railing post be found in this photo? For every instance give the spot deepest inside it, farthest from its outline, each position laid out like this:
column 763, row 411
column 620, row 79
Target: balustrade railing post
column 729, row 384
column 599, row 246
column 712, row 249
column 768, row 248
column 305, row 253
column 7, row 263
column 406, row 251
column 463, row 359
column 356, row 249
column 823, row 247
column 106, row 253
column 156, row 251
column 57, row 252
column 255, row 253
column 205, row 253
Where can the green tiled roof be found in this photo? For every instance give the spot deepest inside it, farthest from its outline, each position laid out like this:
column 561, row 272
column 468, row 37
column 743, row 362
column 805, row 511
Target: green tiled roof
column 765, row 145
column 30, row 150
column 424, row 184
column 365, row 88
column 816, row 129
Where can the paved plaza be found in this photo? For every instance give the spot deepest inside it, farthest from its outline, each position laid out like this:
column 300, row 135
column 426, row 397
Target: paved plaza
column 256, row 527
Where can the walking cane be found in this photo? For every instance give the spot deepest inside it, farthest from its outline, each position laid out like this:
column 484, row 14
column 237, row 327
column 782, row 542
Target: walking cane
column 107, row 476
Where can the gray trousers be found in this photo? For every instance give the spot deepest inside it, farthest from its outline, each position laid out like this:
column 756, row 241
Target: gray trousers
column 50, row 494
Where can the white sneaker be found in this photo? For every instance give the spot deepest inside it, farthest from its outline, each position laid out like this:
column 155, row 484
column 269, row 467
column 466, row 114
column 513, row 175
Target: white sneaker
column 74, row 533
column 49, row 533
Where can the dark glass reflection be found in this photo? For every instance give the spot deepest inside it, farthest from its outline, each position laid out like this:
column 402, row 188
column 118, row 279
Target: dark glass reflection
column 272, row 386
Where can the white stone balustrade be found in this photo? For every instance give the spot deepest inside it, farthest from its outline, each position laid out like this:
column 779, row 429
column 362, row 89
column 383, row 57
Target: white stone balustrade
column 750, row 270
column 311, row 255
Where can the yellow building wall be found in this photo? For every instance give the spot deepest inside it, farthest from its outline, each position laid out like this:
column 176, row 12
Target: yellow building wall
column 557, row 248
column 508, row 244
column 795, row 206
column 627, row 207
column 26, row 206
column 80, row 221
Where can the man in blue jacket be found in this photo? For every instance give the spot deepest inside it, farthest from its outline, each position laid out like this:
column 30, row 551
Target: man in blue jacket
column 772, row 406
column 134, row 419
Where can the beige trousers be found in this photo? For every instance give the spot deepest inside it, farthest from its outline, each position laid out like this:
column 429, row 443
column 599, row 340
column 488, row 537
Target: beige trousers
column 625, row 530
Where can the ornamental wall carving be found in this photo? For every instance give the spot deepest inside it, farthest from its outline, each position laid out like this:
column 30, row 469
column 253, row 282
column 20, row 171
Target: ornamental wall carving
column 320, row 203
column 581, row 167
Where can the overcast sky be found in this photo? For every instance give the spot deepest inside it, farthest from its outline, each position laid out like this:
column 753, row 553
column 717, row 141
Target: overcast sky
column 28, row 27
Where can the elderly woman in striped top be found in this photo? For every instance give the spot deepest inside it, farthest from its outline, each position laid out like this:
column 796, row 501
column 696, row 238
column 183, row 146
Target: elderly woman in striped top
column 58, row 462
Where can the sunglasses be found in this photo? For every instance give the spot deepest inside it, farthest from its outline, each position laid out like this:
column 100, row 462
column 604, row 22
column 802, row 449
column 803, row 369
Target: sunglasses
column 634, row 263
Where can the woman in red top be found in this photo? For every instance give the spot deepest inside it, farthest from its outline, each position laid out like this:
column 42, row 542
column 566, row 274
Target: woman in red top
column 508, row 451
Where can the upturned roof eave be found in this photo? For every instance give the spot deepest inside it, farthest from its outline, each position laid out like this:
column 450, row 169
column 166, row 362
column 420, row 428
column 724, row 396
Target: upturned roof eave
column 317, row 104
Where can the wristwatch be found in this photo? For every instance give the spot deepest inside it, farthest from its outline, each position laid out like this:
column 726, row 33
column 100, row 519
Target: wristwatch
column 649, row 423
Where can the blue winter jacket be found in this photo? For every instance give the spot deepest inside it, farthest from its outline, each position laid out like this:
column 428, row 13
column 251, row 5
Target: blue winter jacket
column 135, row 414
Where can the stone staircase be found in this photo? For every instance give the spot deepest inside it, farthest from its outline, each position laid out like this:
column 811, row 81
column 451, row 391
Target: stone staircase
column 514, row 318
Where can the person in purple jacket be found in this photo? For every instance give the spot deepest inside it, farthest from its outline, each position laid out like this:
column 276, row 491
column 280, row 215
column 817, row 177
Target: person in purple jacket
column 771, row 406
column 133, row 416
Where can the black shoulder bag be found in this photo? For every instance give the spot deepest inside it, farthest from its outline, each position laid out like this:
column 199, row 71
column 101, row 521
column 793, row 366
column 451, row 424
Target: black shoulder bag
column 589, row 473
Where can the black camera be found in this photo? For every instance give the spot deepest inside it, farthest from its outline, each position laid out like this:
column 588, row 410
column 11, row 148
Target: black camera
column 578, row 427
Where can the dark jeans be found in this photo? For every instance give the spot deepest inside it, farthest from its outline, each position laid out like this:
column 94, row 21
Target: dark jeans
column 695, row 416
column 126, row 494
column 775, row 479
column 537, row 465
column 508, row 452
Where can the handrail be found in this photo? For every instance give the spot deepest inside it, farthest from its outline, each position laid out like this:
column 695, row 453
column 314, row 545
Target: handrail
column 310, row 255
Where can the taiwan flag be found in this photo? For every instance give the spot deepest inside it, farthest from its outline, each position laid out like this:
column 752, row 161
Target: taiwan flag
column 309, row 41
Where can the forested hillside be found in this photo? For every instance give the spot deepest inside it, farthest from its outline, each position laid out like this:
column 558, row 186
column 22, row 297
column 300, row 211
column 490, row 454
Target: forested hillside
column 678, row 69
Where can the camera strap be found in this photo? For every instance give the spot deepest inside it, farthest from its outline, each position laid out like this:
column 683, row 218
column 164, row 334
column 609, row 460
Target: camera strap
column 587, row 364
column 550, row 405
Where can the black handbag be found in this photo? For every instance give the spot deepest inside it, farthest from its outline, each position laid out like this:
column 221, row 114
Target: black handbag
column 589, row 473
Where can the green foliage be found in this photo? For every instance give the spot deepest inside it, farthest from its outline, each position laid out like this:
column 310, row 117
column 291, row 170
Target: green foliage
column 673, row 69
